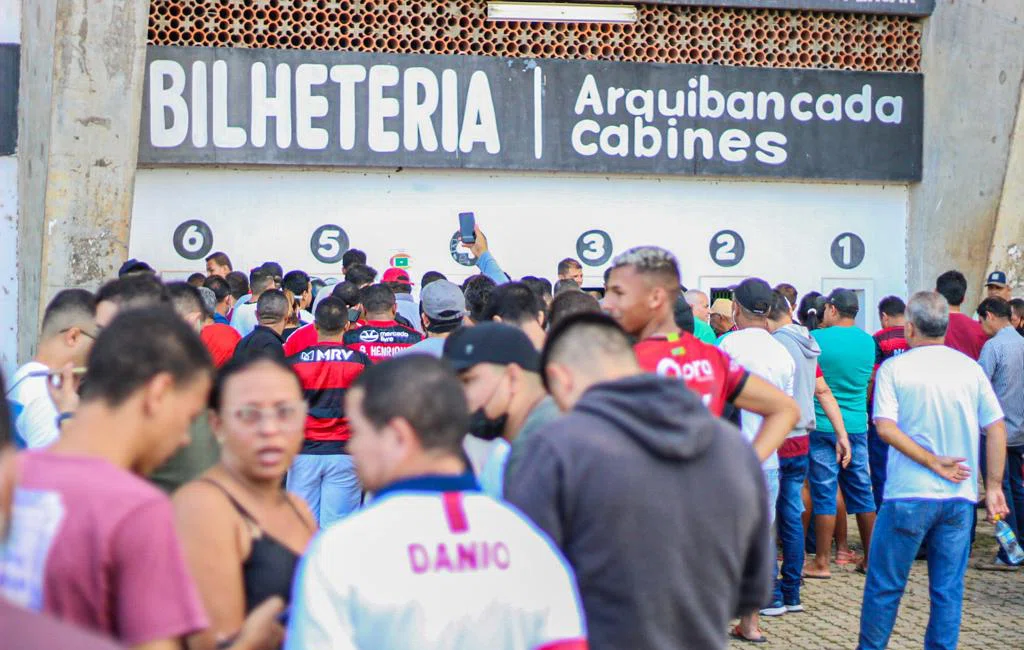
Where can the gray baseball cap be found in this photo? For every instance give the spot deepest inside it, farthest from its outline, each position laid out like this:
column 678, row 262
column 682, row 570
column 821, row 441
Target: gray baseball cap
column 442, row 300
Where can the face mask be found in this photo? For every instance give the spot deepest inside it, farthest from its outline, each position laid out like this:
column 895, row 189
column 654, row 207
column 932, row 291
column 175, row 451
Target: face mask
column 486, row 428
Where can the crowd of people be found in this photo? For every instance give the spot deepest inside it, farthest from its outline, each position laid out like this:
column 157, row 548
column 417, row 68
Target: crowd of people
column 255, row 460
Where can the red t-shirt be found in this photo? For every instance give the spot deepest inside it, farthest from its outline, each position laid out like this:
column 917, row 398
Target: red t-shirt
column 305, row 337
column 381, row 339
column 326, row 371
column 707, row 370
column 221, row 341
column 965, row 334
column 95, row 545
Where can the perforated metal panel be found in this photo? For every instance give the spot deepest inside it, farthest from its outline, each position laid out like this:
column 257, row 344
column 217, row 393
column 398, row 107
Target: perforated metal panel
column 783, row 39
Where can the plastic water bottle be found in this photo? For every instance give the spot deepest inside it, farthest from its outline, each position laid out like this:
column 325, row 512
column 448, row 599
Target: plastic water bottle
column 1006, row 538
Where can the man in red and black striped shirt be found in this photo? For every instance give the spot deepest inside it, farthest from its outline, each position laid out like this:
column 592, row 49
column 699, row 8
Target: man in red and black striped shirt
column 889, row 342
column 323, row 473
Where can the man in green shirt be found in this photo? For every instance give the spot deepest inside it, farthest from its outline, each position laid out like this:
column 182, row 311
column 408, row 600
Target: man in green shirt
column 846, row 361
column 698, row 301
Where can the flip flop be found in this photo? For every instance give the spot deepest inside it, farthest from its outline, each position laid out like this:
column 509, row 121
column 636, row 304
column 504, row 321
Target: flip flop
column 738, row 636
column 814, row 577
column 863, row 570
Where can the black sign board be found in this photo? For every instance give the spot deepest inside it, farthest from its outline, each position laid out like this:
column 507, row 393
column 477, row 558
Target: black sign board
column 281, row 107
column 897, row 7
column 9, row 57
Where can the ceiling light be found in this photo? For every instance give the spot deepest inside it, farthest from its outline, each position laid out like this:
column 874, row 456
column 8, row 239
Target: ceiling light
column 553, row 12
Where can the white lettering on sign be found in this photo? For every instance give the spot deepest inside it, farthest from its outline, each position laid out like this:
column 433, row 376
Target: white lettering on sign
column 459, row 557
column 414, row 95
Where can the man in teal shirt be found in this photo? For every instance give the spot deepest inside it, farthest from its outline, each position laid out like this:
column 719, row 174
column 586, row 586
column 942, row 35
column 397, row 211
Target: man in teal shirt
column 847, row 359
column 698, row 301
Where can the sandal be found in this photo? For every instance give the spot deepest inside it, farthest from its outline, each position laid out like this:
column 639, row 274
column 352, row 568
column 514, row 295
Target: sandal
column 846, row 558
column 736, row 634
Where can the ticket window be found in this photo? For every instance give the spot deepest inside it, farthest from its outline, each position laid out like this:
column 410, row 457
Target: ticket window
column 867, row 315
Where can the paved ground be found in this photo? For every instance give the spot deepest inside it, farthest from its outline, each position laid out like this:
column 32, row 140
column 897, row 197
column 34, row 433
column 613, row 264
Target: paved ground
column 993, row 607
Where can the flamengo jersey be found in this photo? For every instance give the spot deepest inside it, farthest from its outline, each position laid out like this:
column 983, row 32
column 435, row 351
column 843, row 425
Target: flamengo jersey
column 381, row 340
column 326, row 370
column 433, row 564
column 707, row 371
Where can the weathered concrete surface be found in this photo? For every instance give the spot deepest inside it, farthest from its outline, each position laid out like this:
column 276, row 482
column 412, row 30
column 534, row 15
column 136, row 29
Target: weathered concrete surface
column 81, row 94
column 1007, row 252
column 973, row 55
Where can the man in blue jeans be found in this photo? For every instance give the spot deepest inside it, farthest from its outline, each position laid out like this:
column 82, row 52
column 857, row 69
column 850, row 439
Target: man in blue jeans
column 930, row 403
column 1002, row 359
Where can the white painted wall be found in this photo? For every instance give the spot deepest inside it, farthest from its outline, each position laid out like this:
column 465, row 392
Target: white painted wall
column 10, row 32
column 531, row 220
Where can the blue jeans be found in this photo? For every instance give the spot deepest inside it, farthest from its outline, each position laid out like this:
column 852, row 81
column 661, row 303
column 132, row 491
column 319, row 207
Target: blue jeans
column 878, row 456
column 1013, row 489
column 771, row 479
column 790, row 528
column 826, row 475
column 899, row 531
column 328, row 484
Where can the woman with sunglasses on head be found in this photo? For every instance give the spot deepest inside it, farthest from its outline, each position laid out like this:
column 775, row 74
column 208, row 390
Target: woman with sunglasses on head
column 242, row 532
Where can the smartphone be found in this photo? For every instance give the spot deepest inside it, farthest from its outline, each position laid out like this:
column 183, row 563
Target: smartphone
column 467, row 227
column 354, row 314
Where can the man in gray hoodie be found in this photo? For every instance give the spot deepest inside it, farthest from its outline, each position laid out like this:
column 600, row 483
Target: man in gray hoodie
column 807, row 383
column 660, row 507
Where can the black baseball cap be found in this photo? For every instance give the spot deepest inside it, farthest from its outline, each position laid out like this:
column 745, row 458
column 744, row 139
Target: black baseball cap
column 844, row 300
column 490, row 342
column 754, row 295
column 996, row 279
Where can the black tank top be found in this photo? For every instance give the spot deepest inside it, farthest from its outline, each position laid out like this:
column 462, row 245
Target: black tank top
column 270, row 567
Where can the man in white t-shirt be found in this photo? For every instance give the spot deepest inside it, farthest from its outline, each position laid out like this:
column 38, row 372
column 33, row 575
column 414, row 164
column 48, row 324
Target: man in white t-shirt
column 69, row 328
column 754, row 348
column 432, row 563
column 930, row 403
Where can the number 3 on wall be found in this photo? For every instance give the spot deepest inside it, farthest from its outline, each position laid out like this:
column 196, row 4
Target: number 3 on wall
column 328, row 243
column 727, row 248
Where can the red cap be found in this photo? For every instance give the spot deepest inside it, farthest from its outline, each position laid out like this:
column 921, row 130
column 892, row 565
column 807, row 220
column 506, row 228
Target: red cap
column 396, row 275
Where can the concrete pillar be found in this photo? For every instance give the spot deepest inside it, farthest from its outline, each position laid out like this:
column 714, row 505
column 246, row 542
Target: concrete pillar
column 973, row 63
column 82, row 67
column 1007, row 252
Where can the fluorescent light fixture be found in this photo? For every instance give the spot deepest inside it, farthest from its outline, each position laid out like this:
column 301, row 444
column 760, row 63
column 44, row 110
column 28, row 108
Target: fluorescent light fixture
column 554, row 12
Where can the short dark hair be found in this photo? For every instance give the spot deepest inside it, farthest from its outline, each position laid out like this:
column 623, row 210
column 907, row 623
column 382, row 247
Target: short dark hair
column 331, row 316
column 477, row 289
column 953, row 287
column 566, row 285
column 135, row 290
column 568, row 264
column 272, row 306
column 377, row 298
column 432, row 402
column 788, row 292
column 220, row 259
column 186, row 299
column 431, row 276
column 219, row 286
column 261, row 279
column 399, row 287
column 652, row 261
column 138, row 345
column 296, row 281
column 347, row 292
column 541, row 287
column 68, row 308
column 571, row 303
column 1017, row 305
column 239, row 364
column 892, row 306
column 995, row 306
column 197, row 279
column 275, row 269
column 584, row 338
column 514, row 303
column 352, row 256
column 360, row 274
column 238, row 283
column 682, row 314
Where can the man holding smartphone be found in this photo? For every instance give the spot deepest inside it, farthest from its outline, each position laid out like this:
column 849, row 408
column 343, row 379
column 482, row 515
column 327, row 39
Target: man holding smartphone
column 69, row 328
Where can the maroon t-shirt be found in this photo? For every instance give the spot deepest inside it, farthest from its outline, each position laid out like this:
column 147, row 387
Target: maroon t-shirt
column 95, row 546
column 965, row 334
column 27, row 630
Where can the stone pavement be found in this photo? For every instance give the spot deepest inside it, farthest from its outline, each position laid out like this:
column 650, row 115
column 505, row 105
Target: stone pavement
column 993, row 608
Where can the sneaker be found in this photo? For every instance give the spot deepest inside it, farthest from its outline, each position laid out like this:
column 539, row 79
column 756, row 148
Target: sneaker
column 775, row 609
column 794, row 609
column 995, row 565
